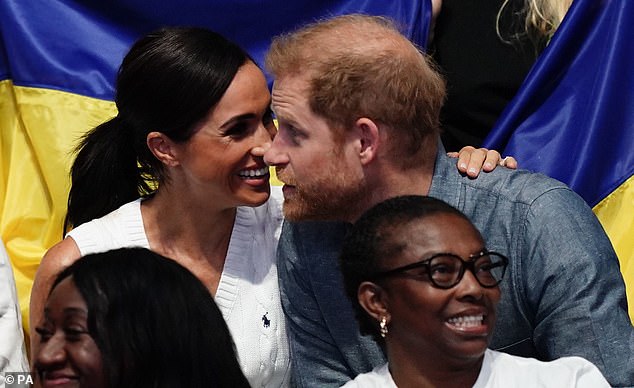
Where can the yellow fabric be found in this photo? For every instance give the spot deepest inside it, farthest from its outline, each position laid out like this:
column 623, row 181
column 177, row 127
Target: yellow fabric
column 274, row 180
column 39, row 129
column 616, row 213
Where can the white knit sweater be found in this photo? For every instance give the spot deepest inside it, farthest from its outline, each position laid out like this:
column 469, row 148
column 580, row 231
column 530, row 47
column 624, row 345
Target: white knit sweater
column 247, row 295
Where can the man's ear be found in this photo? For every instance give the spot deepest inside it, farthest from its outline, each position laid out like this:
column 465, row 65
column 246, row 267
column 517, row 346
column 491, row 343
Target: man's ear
column 369, row 139
column 373, row 299
column 162, row 147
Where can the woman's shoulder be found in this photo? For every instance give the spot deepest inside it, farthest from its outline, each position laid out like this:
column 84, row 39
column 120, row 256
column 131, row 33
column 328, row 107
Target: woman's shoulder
column 120, row 228
column 128, row 210
column 558, row 372
column 379, row 377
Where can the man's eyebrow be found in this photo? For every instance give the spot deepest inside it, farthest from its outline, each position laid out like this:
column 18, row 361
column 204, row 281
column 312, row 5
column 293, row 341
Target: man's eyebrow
column 287, row 118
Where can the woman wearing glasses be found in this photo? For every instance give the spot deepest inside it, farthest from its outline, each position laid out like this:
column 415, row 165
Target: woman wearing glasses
column 425, row 286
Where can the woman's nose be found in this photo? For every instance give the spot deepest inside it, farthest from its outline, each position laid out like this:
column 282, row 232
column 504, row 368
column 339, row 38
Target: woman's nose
column 263, row 139
column 51, row 352
column 469, row 286
column 260, row 149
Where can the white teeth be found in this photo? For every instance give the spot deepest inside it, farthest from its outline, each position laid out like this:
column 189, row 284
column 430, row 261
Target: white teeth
column 468, row 321
column 260, row 172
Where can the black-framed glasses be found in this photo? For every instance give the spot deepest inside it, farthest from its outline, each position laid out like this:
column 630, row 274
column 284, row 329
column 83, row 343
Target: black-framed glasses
column 445, row 270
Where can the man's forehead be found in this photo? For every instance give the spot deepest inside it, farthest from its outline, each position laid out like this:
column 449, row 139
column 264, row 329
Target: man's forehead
column 295, row 81
column 288, row 93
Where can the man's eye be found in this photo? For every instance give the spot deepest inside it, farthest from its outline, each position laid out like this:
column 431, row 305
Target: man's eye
column 294, row 134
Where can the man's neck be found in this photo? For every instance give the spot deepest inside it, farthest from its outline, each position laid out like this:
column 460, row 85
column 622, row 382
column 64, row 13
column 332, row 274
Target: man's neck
column 393, row 183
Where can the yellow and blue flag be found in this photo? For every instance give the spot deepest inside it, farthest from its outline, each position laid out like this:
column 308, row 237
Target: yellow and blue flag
column 58, row 63
column 573, row 117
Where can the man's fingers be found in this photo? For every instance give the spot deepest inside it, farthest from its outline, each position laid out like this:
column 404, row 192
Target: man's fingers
column 509, row 162
column 492, row 159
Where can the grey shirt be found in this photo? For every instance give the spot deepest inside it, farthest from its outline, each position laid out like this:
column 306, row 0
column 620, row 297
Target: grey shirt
column 563, row 293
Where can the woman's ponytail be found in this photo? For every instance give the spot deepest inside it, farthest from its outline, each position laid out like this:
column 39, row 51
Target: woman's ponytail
column 105, row 173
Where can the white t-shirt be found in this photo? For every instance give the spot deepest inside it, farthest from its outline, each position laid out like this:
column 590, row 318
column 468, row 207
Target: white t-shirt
column 247, row 295
column 501, row 370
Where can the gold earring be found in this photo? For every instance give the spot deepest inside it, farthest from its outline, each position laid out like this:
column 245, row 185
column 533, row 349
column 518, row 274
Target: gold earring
column 383, row 326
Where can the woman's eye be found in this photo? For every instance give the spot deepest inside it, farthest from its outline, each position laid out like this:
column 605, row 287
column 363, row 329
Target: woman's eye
column 267, row 118
column 443, row 272
column 74, row 334
column 237, row 131
column 441, row 269
column 44, row 333
column 420, row 272
column 486, row 265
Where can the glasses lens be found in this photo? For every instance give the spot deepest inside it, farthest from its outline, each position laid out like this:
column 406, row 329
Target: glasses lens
column 489, row 269
column 445, row 270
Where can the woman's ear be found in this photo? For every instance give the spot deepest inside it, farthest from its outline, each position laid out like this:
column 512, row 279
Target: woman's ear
column 369, row 139
column 162, row 147
column 373, row 299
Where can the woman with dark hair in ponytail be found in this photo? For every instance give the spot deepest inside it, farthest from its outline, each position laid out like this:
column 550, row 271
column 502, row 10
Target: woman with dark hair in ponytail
column 180, row 171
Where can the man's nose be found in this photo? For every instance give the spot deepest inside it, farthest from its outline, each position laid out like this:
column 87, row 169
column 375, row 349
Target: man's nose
column 275, row 156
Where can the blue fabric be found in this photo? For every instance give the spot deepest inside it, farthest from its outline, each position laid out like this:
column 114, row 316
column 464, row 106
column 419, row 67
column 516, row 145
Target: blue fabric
column 563, row 293
column 573, row 118
column 77, row 46
column 4, row 68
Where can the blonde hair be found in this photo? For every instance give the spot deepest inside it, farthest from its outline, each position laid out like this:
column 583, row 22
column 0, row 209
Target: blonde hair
column 362, row 66
column 541, row 18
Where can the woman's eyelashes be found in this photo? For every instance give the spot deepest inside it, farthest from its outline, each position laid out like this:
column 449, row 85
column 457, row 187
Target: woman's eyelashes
column 72, row 331
column 268, row 118
column 238, row 131
column 44, row 333
column 73, row 334
column 244, row 128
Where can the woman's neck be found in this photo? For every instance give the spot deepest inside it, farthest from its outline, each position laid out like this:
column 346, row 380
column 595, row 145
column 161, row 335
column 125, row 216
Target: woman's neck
column 422, row 369
column 194, row 233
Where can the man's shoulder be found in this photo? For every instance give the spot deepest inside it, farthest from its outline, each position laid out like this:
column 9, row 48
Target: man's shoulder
column 308, row 232
column 518, row 186
column 502, row 184
column 314, row 239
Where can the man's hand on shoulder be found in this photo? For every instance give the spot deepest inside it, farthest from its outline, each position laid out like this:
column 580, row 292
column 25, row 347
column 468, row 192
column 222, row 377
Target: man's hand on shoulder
column 472, row 160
